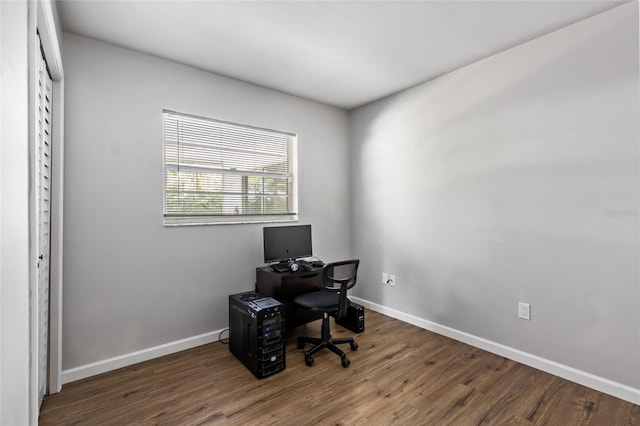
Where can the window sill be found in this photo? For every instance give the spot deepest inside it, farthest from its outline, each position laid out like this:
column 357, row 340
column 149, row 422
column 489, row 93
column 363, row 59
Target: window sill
column 226, row 220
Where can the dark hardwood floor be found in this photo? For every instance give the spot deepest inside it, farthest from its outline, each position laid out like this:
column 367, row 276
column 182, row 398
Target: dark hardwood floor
column 401, row 374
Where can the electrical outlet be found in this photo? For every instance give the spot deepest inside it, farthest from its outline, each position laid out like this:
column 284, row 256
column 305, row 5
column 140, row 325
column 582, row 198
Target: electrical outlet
column 385, row 278
column 524, row 311
column 392, row 280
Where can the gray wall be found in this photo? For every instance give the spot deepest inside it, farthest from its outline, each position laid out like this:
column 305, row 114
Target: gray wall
column 513, row 179
column 15, row 371
column 130, row 283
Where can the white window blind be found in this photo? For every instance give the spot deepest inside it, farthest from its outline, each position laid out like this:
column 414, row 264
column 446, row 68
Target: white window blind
column 235, row 173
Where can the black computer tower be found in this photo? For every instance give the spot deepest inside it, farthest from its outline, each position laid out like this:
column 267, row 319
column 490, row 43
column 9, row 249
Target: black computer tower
column 354, row 320
column 256, row 333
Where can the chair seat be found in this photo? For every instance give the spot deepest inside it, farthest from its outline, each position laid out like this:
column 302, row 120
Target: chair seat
column 318, row 300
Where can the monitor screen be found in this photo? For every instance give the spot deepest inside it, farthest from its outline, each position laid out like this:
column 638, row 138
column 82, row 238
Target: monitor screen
column 282, row 243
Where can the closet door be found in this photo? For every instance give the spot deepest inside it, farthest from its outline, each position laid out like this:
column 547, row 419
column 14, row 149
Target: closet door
column 43, row 204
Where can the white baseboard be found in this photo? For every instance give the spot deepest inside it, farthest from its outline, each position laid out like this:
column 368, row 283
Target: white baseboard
column 601, row 384
column 110, row 364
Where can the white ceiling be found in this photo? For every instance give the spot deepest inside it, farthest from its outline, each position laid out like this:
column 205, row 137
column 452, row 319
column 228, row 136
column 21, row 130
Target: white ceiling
column 342, row 53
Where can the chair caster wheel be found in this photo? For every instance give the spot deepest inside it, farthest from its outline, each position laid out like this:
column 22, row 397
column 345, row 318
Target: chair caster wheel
column 345, row 361
column 300, row 343
column 308, row 360
column 354, row 346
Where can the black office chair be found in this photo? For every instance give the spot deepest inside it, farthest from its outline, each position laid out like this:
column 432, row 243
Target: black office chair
column 336, row 279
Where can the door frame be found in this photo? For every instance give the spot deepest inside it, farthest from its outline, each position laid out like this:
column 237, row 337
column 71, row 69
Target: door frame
column 43, row 20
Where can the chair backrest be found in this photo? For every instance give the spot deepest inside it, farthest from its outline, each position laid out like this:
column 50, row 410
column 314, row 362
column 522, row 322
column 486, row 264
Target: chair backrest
column 340, row 277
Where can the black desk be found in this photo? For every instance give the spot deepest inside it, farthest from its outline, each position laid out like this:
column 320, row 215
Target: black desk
column 286, row 286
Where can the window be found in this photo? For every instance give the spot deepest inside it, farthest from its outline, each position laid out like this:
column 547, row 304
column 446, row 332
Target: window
column 219, row 172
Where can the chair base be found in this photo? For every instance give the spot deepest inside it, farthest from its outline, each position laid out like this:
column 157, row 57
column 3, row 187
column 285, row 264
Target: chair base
column 326, row 342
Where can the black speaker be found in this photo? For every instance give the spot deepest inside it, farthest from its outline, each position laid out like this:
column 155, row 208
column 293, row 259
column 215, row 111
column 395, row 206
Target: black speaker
column 354, row 320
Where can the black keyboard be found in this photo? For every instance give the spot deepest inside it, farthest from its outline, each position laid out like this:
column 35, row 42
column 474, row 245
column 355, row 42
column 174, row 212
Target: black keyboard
column 280, row 267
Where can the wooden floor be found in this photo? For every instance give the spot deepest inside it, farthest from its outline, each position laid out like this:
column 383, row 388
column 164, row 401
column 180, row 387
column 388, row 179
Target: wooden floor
column 401, row 374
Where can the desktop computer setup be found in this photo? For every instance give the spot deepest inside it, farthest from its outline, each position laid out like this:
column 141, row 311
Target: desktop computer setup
column 257, row 319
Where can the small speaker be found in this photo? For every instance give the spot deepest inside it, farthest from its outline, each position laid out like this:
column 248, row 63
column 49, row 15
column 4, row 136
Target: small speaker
column 354, row 320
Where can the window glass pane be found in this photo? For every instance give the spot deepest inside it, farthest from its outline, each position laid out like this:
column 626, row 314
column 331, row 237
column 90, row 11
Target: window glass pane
column 266, row 195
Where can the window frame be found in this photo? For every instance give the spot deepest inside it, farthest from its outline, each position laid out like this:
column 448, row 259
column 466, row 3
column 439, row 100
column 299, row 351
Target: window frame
column 172, row 219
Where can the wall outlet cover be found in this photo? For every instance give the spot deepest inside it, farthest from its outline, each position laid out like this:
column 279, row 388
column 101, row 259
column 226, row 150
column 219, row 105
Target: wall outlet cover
column 524, row 311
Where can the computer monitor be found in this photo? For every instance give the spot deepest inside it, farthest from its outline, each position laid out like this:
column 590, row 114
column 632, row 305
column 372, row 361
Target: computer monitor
column 282, row 243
